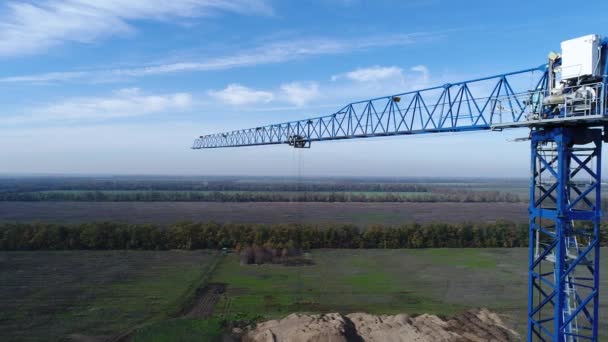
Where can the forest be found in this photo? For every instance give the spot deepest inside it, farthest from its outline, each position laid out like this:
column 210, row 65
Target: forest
column 209, row 235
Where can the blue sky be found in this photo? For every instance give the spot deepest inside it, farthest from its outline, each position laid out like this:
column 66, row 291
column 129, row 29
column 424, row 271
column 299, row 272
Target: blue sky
column 117, row 87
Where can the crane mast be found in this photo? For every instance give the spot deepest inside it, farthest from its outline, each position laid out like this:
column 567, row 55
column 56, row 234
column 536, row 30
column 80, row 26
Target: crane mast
column 563, row 103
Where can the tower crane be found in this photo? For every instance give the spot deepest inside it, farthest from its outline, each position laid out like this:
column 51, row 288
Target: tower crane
column 564, row 104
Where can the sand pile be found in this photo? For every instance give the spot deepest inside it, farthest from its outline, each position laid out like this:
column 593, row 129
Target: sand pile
column 473, row 325
column 303, row 328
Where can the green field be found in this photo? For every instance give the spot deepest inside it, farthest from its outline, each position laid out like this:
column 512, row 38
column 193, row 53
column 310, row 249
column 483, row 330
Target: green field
column 50, row 295
column 438, row 281
column 182, row 330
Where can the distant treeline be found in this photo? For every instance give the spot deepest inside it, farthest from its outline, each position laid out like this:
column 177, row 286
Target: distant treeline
column 102, row 236
column 259, row 196
column 48, row 184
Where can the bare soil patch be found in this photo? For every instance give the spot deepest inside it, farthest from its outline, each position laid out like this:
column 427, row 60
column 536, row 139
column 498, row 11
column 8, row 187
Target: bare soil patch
column 165, row 213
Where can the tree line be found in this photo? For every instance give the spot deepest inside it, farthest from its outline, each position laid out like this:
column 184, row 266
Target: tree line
column 190, row 235
column 258, row 196
column 93, row 184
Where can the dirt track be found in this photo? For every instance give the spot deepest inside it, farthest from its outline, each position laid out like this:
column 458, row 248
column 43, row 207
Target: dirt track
column 206, row 298
column 261, row 212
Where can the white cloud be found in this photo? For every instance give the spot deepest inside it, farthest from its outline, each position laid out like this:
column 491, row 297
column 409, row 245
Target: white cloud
column 360, row 84
column 372, row 74
column 424, row 72
column 236, row 94
column 270, row 53
column 34, row 26
column 294, row 93
column 123, row 103
column 355, row 85
column 48, row 77
column 377, row 81
column 417, row 74
column 299, row 93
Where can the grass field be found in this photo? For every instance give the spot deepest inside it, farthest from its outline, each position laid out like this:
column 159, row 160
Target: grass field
column 50, row 295
column 439, row 281
column 182, row 330
column 164, row 213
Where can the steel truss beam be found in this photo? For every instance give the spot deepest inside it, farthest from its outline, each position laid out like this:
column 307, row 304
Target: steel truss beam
column 465, row 106
column 565, row 212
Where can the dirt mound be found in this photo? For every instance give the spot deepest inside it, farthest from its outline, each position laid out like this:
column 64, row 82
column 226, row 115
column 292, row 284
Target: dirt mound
column 303, row 328
column 473, row 325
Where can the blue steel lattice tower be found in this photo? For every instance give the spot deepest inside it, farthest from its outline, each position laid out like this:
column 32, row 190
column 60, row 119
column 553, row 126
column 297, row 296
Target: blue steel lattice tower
column 565, row 212
column 564, row 104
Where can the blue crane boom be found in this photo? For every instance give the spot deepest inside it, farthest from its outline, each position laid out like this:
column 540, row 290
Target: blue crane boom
column 563, row 103
column 456, row 107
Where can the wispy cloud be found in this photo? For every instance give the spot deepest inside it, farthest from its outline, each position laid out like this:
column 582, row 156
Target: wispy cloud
column 348, row 86
column 378, row 80
column 300, row 93
column 46, row 77
column 270, row 53
column 345, row 87
column 424, row 72
column 371, row 74
column 122, row 103
column 28, row 27
column 236, row 94
column 292, row 94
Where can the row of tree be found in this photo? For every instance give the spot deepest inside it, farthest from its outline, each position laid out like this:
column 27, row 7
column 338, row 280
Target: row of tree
column 188, row 235
column 27, row 184
column 258, row 196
